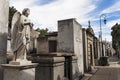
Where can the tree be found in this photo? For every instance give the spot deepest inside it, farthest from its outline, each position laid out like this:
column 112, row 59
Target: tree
column 42, row 32
column 116, row 37
column 115, row 34
column 12, row 10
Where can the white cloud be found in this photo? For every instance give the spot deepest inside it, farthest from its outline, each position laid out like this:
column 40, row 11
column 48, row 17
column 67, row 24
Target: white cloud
column 113, row 22
column 21, row 4
column 47, row 15
column 107, row 38
column 113, row 8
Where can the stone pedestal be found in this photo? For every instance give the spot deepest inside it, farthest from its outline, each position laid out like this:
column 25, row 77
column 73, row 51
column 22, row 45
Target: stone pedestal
column 21, row 62
column 51, row 67
column 19, row 72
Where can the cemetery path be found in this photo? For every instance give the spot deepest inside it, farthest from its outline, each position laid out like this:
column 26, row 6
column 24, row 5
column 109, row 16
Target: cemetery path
column 111, row 72
column 107, row 74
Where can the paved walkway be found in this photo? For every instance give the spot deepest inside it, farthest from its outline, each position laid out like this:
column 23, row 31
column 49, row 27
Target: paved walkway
column 111, row 72
column 107, row 74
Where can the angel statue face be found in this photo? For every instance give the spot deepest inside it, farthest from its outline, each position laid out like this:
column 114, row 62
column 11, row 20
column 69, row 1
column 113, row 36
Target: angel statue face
column 26, row 12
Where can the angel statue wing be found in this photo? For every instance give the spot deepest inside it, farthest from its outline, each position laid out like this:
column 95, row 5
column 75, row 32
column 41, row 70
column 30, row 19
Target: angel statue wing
column 14, row 30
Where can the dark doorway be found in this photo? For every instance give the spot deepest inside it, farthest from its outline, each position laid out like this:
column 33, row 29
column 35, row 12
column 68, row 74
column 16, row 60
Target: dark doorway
column 68, row 67
column 52, row 46
column 91, row 56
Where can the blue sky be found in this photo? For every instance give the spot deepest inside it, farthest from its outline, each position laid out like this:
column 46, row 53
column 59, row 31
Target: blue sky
column 46, row 13
column 43, row 2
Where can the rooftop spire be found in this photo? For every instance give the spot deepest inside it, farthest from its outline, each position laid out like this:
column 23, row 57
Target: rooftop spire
column 89, row 24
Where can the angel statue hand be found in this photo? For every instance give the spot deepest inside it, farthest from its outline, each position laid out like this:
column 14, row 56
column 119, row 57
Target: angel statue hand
column 31, row 24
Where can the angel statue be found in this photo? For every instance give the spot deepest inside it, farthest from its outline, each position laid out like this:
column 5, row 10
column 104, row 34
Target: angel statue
column 20, row 34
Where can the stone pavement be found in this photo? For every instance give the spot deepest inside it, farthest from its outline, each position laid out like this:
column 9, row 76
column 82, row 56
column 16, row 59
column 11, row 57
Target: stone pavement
column 87, row 76
column 106, row 74
column 111, row 72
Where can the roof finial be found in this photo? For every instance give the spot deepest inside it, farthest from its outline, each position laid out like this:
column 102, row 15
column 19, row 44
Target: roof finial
column 89, row 24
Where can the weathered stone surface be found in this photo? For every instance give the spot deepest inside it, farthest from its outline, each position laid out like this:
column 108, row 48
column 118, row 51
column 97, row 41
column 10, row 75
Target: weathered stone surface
column 16, row 74
column 78, row 45
column 89, row 48
column 22, row 62
column 65, row 36
column 50, row 68
column 47, row 44
column 42, row 46
column 3, row 29
column 3, row 32
column 70, row 40
column 19, row 72
column 85, row 49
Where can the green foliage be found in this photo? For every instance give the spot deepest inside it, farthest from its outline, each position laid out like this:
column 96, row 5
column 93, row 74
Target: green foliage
column 42, row 32
column 12, row 10
column 115, row 34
